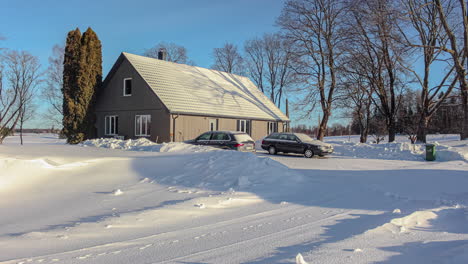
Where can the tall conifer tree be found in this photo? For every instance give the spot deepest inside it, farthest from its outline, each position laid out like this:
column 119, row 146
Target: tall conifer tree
column 82, row 79
column 70, row 85
column 89, row 81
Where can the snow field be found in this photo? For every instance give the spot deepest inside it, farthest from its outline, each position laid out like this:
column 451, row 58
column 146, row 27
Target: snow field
column 140, row 202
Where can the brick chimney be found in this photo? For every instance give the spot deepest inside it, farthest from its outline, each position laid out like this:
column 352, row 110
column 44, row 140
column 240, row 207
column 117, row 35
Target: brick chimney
column 162, row 54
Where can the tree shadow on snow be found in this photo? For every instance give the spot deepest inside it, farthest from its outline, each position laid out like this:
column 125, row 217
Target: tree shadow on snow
column 342, row 229
column 455, row 251
column 374, row 190
column 98, row 218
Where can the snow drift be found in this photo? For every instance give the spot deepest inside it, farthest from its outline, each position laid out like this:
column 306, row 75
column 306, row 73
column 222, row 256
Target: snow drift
column 143, row 144
column 398, row 151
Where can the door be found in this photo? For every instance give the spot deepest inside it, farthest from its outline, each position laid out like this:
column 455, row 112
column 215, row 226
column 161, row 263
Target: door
column 282, row 143
column 213, row 124
column 295, row 146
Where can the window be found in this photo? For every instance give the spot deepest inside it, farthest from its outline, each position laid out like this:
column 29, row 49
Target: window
column 111, row 125
column 272, row 127
column 220, row 136
column 243, row 126
column 273, row 136
column 127, row 87
column 292, row 138
column 243, row 138
column 205, row 136
column 213, row 123
column 142, row 125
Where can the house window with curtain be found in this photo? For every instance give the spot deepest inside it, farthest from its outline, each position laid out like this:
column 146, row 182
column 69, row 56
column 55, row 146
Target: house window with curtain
column 272, row 127
column 142, row 125
column 243, row 126
column 111, row 125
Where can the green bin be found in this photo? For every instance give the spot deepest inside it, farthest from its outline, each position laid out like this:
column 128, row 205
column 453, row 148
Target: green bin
column 430, row 152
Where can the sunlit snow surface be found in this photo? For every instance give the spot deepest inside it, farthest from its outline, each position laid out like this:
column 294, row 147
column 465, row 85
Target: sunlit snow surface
column 112, row 201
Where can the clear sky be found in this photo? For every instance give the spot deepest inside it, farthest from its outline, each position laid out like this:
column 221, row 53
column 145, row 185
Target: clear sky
column 133, row 26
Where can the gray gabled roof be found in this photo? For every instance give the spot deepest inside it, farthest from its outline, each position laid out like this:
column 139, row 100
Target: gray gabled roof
column 185, row 89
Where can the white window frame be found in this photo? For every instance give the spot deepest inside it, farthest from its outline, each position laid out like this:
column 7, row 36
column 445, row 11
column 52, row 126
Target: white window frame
column 272, row 127
column 123, row 92
column 139, row 130
column 112, row 130
column 245, row 125
column 213, row 121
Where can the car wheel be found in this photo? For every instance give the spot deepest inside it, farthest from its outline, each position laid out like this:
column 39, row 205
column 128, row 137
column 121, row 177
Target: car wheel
column 308, row 153
column 272, row 150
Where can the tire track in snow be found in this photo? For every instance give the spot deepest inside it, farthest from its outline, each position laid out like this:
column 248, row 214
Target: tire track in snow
column 255, row 216
column 287, row 230
column 141, row 240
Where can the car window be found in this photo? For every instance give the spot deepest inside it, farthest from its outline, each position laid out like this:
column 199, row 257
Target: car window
column 292, row 138
column 205, row 136
column 283, row 137
column 304, row 137
column 273, row 136
column 242, row 137
column 220, row 136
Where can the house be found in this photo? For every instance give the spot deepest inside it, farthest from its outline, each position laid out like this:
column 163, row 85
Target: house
column 165, row 101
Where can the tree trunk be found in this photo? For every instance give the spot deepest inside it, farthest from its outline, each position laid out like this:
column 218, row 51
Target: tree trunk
column 362, row 138
column 21, row 134
column 464, row 132
column 323, row 126
column 391, row 130
column 422, row 128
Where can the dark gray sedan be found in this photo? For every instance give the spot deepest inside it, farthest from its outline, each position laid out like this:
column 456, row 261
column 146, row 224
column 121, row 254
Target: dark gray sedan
column 295, row 143
column 225, row 140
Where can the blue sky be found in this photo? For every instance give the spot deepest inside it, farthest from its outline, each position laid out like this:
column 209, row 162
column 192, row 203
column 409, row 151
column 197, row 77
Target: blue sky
column 133, row 26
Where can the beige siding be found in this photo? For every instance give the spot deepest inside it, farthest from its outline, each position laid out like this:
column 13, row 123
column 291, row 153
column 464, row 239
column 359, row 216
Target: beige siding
column 259, row 129
column 280, row 127
column 189, row 127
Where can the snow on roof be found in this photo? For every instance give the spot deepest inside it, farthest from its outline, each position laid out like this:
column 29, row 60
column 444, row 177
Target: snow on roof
column 189, row 89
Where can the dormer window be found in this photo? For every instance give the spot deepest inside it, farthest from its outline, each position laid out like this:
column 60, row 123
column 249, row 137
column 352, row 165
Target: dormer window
column 127, row 87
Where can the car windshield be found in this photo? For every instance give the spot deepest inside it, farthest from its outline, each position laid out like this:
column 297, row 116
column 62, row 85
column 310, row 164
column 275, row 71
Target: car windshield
column 242, row 138
column 304, row 137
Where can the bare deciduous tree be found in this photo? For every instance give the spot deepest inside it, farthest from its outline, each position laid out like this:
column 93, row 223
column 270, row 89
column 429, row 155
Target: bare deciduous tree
column 424, row 20
column 358, row 97
column 52, row 92
column 255, row 60
column 314, row 29
column 375, row 37
column 458, row 53
column 175, row 53
column 268, row 62
column 228, row 59
column 22, row 78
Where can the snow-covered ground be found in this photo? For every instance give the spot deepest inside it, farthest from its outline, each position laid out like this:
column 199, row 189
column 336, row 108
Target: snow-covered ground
column 110, row 201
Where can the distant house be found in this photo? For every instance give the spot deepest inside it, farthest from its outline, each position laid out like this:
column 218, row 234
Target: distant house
column 165, row 101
